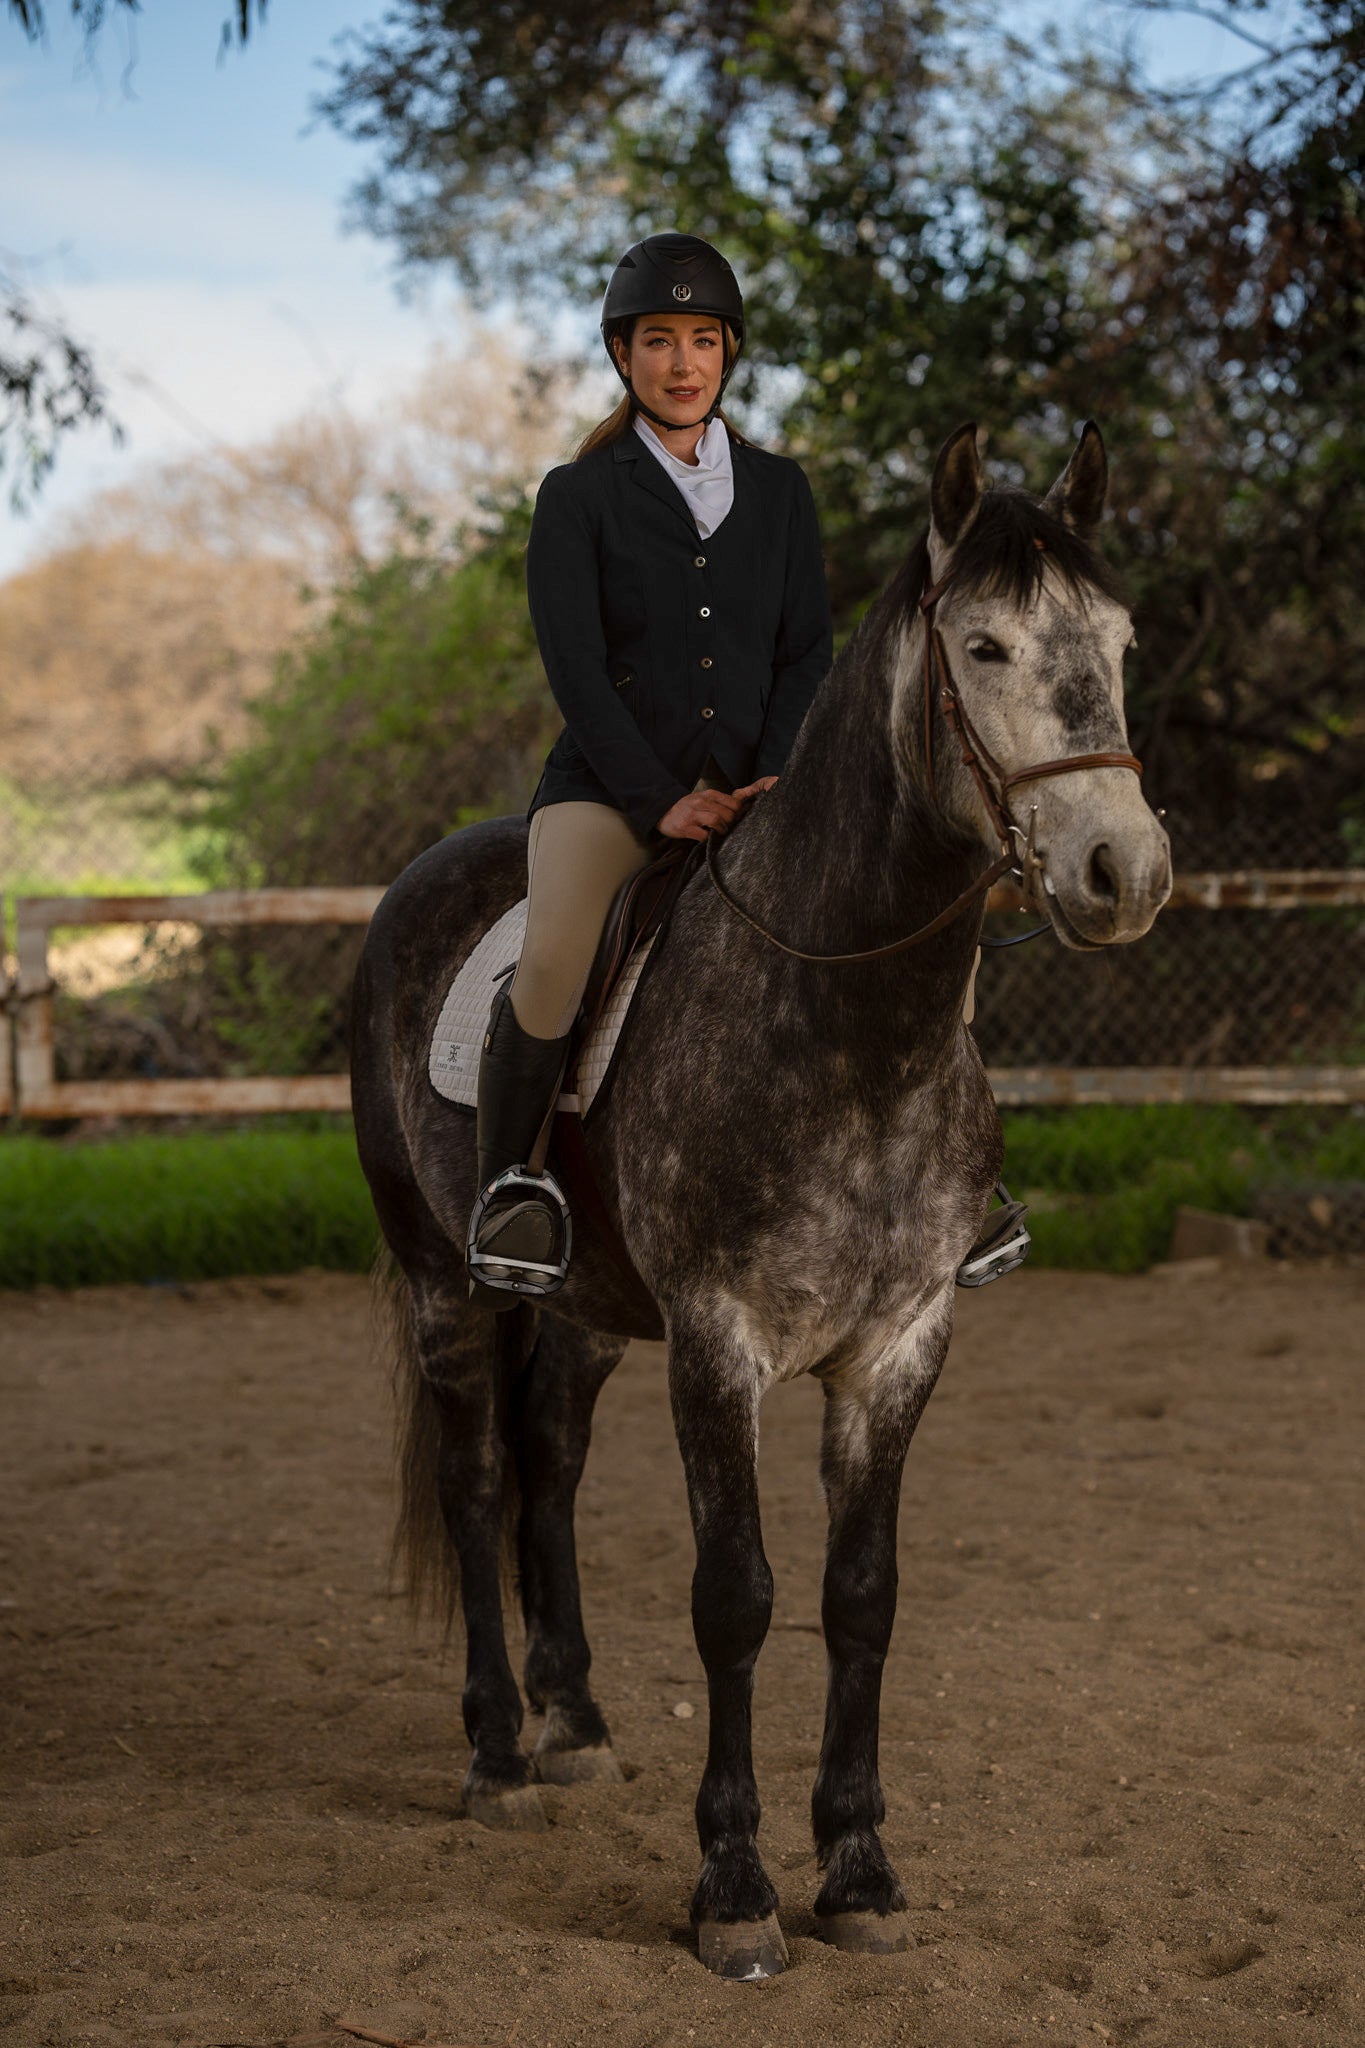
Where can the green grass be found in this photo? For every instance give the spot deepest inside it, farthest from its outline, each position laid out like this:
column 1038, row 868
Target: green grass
column 197, row 1206
column 1104, row 1185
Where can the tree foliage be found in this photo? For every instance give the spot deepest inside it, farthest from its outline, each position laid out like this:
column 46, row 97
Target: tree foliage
column 91, row 15
column 418, row 703
column 48, row 384
column 933, row 222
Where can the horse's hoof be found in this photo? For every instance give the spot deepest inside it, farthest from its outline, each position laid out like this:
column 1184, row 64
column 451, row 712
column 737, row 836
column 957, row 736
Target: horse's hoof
column 517, row 1807
column 867, row 1934
column 746, row 1951
column 595, row 1766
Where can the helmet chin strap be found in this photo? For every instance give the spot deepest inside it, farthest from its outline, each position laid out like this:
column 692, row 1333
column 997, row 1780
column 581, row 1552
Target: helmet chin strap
column 673, row 426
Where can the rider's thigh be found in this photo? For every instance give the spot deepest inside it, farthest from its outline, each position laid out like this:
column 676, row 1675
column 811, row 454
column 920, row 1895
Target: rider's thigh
column 578, row 857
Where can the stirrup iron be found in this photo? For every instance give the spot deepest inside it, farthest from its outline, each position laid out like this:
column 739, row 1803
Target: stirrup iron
column 1002, row 1248
column 528, row 1277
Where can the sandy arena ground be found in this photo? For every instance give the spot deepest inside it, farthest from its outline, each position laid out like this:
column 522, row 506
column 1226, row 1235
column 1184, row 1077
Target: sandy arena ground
column 1119, row 1727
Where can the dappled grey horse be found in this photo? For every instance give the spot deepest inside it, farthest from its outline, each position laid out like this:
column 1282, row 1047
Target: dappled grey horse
column 799, row 1148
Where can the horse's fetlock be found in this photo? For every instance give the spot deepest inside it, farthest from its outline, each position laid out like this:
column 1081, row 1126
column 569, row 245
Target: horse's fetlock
column 859, row 1877
column 493, row 1771
column 574, row 1724
column 556, row 1674
column 492, row 1712
column 844, row 1804
column 733, row 1884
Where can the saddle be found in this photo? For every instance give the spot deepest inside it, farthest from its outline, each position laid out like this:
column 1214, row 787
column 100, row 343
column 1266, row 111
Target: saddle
column 639, row 912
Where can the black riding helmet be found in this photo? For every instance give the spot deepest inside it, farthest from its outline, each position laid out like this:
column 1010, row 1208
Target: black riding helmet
column 672, row 274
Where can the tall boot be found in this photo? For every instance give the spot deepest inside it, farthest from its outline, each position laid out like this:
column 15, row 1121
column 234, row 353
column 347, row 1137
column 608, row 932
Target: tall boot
column 519, row 1078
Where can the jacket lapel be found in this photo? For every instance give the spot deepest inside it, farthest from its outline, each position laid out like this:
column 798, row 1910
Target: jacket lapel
column 653, row 477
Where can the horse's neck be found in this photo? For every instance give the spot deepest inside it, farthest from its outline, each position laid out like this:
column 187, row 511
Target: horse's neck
column 853, row 851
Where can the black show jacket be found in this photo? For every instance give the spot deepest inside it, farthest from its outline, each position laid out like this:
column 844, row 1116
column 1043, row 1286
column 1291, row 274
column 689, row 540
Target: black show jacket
column 663, row 648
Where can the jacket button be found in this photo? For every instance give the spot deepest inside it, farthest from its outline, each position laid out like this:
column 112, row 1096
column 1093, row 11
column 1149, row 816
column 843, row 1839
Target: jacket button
column 698, row 561
column 708, row 712
column 705, row 612
column 706, row 661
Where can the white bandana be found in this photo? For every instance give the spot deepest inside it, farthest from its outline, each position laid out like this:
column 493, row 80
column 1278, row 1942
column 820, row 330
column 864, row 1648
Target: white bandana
column 708, row 484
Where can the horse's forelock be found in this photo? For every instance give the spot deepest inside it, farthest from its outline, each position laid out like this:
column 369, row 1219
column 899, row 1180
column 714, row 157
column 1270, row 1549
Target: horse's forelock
column 1012, row 544
column 1001, row 557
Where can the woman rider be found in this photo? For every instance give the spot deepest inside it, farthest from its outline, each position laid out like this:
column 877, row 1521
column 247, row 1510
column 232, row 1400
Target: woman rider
column 678, row 595
column 677, row 591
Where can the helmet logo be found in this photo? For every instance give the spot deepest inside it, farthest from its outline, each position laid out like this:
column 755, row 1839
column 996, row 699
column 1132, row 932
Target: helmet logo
column 682, row 291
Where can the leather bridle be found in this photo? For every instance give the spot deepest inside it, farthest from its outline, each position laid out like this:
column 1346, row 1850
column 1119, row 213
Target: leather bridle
column 994, row 785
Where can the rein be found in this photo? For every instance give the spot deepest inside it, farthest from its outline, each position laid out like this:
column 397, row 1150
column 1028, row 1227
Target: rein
column 990, row 778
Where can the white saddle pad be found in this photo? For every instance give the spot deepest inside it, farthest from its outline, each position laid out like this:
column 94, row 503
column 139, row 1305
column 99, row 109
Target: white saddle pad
column 453, row 1062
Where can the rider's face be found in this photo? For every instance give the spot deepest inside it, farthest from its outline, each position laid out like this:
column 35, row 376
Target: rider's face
column 675, row 363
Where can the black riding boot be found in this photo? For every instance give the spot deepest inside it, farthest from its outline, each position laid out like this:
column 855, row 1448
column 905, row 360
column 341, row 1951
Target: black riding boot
column 524, row 1224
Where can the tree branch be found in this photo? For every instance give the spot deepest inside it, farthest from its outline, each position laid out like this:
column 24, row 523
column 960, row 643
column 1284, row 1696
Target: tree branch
column 1218, row 18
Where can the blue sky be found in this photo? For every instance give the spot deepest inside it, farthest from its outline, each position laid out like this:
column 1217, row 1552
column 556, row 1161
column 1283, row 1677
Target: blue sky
column 188, row 227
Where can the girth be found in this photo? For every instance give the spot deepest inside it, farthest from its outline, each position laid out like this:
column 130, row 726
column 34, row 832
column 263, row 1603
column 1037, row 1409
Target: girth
column 641, row 909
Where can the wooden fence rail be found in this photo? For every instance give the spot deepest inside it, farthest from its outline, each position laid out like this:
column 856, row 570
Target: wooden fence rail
column 29, row 1086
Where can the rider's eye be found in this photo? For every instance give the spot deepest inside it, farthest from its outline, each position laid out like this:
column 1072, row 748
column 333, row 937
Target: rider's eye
column 986, row 650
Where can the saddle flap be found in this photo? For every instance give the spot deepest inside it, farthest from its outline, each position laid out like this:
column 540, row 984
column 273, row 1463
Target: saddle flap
column 638, row 910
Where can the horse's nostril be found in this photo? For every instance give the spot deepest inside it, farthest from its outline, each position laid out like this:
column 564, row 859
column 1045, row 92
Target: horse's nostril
column 1105, row 885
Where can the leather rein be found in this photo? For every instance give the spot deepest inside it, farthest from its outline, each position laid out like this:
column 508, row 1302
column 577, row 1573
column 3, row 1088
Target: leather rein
column 990, row 778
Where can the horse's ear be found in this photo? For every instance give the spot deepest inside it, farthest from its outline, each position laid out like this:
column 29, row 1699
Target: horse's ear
column 955, row 493
column 1078, row 495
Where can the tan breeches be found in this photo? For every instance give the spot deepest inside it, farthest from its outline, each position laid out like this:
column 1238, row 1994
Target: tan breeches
column 578, row 857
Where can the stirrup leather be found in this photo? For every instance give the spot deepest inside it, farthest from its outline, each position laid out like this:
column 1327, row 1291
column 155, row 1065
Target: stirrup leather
column 1003, row 1247
column 521, row 1276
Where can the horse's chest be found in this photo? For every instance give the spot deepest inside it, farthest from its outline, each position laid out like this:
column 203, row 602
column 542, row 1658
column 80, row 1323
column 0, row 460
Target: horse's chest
column 847, row 1263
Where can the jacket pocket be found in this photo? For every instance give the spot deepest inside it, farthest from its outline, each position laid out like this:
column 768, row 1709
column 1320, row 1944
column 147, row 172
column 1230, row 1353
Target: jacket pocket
column 625, row 680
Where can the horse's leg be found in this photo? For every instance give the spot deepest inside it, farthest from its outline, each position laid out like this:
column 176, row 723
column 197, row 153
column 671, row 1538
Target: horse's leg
column 552, row 1421
column 869, row 1420
column 468, row 1362
column 715, row 1390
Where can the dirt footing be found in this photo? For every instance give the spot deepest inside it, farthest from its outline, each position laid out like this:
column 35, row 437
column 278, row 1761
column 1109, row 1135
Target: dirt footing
column 1118, row 1735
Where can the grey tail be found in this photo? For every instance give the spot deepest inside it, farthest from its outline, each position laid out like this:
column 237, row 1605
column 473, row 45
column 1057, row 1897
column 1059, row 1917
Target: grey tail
column 423, row 1560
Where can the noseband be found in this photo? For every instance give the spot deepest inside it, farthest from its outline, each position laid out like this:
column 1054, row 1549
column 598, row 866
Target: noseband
column 990, row 778
column 994, row 785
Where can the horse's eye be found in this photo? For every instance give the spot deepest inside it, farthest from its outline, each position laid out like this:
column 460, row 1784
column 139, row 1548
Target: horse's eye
column 986, row 650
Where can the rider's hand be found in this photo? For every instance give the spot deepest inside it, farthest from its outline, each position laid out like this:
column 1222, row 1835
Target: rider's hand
column 709, row 810
column 706, row 810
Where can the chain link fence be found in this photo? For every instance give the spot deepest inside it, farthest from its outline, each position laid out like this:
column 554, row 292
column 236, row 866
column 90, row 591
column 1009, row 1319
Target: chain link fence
column 1205, row 988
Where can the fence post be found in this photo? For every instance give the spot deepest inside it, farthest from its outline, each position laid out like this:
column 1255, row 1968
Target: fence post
column 33, row 1061
column 8, row 1008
